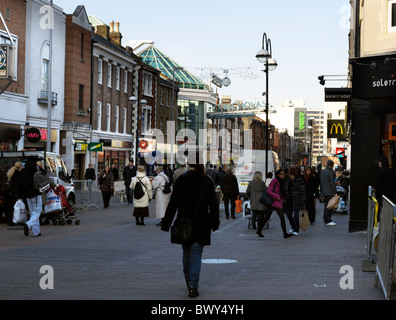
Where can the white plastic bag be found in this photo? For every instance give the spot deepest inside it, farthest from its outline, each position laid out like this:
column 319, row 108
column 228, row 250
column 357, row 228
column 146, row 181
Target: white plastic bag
column 20, row 212
column 53, row 202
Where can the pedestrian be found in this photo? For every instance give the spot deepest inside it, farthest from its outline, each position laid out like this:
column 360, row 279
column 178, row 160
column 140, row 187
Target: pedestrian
column 345, row 182
column 276, row 190
column 90, row 173
column 211, row 172
column 114, row 170
column 296, row 199
column 161, row 198
column 106, row 185
column 13, row 192
column 141, row 205
column 32, row 196
column 194, row 190
column 168, row 171
column 328, row 190
column 229, row 187
column 179, row 171
column 128, row 173
column 310, row 189
column 268, row 179
column 384, row 182
column 220, row 173
column 255, row 189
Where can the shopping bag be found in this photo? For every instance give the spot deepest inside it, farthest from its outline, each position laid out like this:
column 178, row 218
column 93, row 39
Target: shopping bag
column 20, row 212
column 238, row 206
column 333, row 202
column 53, row 202
column 304, row 220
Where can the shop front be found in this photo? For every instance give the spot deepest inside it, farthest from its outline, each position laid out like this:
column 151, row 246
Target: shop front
column 9, row 137
column 114, row 152
column 372, row 114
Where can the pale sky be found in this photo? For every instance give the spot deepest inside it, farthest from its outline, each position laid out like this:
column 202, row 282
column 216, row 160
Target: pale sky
column 309, row 38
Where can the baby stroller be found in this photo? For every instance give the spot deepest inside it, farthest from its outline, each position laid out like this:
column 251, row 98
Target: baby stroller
column 66, row 214
column 248, row 214
column 342, row 206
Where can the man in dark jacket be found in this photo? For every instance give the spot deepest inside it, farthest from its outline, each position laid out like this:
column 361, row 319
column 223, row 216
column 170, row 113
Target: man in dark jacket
column 328, row 189
column 32, row 196
column 90, row 173
column 194, row 190
column 229, row 187
column 128, row 173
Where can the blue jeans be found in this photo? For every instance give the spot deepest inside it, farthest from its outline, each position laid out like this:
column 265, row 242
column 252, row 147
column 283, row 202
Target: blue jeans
column 294, row 219
column 192, row 255
column 35, row 206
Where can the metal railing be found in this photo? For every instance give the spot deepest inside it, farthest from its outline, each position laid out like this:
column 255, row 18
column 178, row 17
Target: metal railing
column 368, row 263
column 87, row 194
column 385, row 269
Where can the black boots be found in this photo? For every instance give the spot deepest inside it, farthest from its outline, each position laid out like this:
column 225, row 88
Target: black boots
column 193, row 292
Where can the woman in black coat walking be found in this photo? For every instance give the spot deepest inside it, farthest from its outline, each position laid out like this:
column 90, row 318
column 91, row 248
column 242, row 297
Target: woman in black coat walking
column 194, row 190
column 310, row 190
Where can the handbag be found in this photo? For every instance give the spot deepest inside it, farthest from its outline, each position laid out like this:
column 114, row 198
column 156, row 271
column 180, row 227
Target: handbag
column 266, row 199
column 304, row 220
column 333, row 202
column 182, row 231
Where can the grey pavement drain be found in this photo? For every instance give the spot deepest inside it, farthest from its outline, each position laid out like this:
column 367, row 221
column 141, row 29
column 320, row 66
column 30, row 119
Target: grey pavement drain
column 219, row 261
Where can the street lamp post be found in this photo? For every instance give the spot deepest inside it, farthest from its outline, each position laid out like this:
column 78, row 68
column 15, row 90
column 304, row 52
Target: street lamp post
column 265, row 56
column 173, row 110
column 142, row 103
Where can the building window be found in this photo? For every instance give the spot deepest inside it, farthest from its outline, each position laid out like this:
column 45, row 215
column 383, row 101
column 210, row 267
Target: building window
column 82, row 46
column 124, row 121
column 117, row 118
column 108, row 116
column 147, row 84
column 125, row 81
column 44, row 76
column 118, row 78
column 109, row 69
column 100, row 71
column 146, row 120
column 392, row 15
column 99, row 113
column 81, row 98
column 7, row 15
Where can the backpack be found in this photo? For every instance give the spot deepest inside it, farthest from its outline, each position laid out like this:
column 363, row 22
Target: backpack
column 41, row 181
column 167, row 187
column 138, row 192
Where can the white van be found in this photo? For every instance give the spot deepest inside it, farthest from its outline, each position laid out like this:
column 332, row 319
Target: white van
column 250, row 161
column 54, row 165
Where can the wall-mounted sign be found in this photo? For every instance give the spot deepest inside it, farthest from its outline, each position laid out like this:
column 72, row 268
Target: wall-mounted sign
column 33, row 135
column 374, row 78
column 338, row 94
column 95, row 146
column 336, row 129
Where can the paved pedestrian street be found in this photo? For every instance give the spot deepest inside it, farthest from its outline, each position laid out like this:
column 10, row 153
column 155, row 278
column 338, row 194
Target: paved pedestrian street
column 109, row 257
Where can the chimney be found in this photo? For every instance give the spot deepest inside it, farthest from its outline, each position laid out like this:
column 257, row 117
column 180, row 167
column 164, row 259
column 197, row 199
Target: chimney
column 103, row 31
column 115, row 34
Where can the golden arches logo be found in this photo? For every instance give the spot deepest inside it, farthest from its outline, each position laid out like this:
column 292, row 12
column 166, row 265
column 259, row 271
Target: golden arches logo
column 336, row 126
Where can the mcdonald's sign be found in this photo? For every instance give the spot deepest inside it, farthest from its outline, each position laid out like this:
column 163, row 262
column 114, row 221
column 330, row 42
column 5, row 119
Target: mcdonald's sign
column 336, row 129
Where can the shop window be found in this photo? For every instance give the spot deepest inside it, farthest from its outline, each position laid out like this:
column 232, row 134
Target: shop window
column 392, row 15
